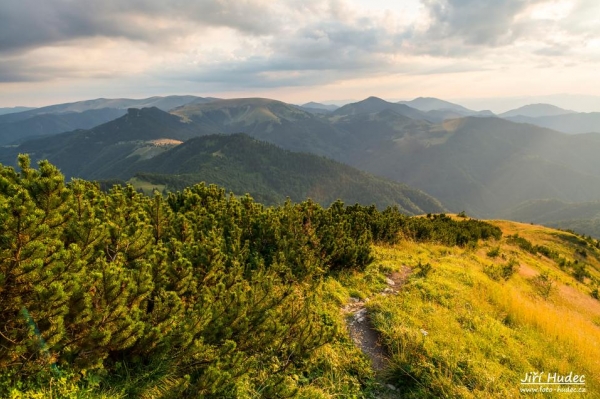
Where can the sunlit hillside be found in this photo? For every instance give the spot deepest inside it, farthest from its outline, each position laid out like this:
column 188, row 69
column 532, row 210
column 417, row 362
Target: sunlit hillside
column 472, row 322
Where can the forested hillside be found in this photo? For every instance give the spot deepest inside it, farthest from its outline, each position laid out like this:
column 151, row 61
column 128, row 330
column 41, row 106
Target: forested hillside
column 147, row 143
column 99, row 152
column 487, row 165
column 270, row 174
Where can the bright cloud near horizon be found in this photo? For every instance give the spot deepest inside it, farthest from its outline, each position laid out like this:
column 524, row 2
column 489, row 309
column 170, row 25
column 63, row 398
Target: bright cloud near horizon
column 55, row 51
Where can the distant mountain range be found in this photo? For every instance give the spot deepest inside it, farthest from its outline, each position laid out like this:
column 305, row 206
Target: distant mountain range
column 482, row 164
column 274, row 121
column 583, row 217
column 572, row 123
column 485, row 165
column 148, row 143
column 164, row 103
column 318, row 107
column 16, row 127
column 48, row 124
column 374, row 104
column 12, row 110
column 104, row 150
column 555, row 118
column 536, row 111
column 427, row 104
column 22, row 123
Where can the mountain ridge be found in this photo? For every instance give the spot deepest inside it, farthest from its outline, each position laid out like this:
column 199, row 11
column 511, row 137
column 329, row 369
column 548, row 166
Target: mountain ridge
column 535, row 111
column 149, row 141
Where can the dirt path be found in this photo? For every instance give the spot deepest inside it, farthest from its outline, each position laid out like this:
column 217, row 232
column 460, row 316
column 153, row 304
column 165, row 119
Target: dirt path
column 361, row 328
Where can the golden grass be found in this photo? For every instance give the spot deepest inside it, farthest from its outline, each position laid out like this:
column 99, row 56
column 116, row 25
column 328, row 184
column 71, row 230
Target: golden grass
column 483, row 335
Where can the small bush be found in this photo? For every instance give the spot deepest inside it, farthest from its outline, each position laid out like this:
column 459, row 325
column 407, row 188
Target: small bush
column 581, row 252
column 509, row 268
column 494, row 252
column 543, row 284
column 502, row 272
column 423, row 269
column 492, row 271
column 580, row 272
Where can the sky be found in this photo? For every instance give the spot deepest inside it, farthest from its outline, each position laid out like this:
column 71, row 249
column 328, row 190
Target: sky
column 486, row 54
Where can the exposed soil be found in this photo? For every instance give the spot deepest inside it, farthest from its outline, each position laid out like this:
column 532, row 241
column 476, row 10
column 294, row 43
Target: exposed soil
column 361, row 328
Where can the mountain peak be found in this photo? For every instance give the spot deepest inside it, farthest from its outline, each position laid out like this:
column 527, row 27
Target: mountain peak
column 373, row 104
column 373, row 99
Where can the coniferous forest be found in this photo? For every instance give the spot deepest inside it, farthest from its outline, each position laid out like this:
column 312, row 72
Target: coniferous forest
column 195, row 294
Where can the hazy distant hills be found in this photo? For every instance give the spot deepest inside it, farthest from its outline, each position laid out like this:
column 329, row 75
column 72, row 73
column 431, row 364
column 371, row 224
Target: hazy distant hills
column 583, row 217
column 104, row 150
column 536, row 111
column 318, row 108
column 338, row 134
column 422, row 108
column 483, row 165
column 12, row 110
column 572, row 123
column 553, row 210
column 375, row 104
column 18, row 126
column 312, row 104
column 543, row 115
column 270, row 174
column 48, row 124
column 552, row 117
column 165, row 103
column 428, row 104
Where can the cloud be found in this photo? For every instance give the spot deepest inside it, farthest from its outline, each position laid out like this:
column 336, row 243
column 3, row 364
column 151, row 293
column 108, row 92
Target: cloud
column 329, row 43
column 458, row 28
column 27, row 24
column 476, row 22
column 261, row 43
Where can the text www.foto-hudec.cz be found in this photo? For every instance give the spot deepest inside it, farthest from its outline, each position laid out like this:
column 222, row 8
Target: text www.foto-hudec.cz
column 542, row 382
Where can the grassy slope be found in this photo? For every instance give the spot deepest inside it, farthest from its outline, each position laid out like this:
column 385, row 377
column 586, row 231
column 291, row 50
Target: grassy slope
column 483, row 335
